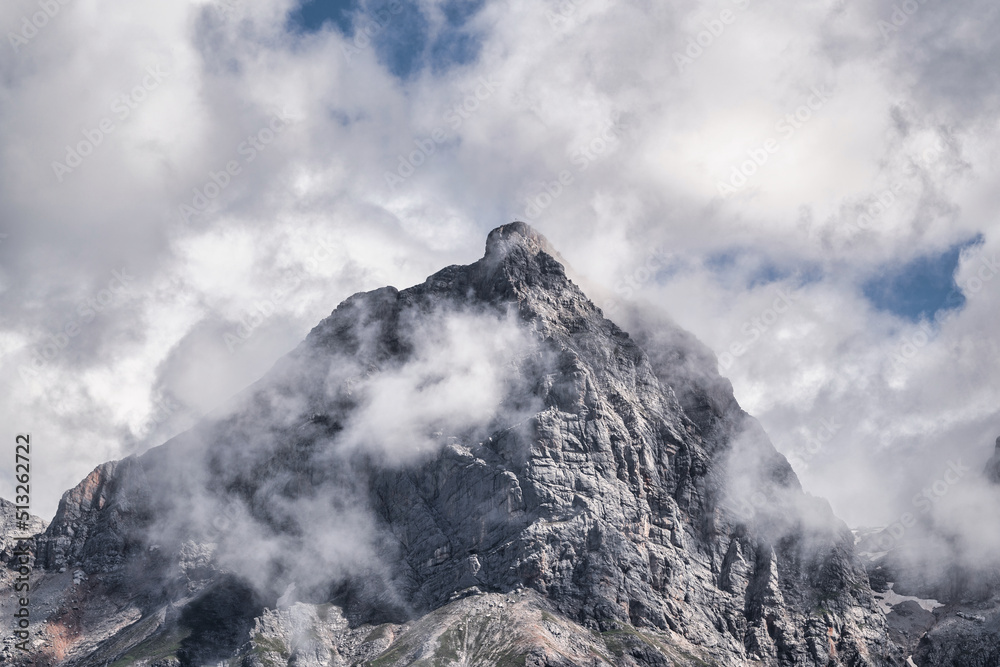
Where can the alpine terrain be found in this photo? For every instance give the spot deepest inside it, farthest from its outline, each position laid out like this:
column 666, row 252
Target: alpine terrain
column 479, row 470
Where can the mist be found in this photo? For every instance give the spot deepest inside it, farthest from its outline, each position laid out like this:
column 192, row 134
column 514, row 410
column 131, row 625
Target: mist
column 588, row 128
column 275, row 486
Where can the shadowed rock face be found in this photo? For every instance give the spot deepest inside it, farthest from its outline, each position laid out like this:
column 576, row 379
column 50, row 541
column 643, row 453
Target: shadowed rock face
column 615, row 477
column 993, row 465
column 11, row 529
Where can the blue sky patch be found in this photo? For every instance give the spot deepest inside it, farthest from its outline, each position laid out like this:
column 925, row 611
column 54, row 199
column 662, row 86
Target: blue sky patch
column 313, row 15
column 748, row 268
column 398, row 30
column 920, row 288
column 458, row 12
column 454, row 48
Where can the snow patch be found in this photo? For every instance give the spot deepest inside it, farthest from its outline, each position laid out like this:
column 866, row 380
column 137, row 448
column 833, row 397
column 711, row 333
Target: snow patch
column 890, row 599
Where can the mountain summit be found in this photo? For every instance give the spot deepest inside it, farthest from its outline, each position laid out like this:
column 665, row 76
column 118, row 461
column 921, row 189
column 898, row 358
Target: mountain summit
column 478, row 470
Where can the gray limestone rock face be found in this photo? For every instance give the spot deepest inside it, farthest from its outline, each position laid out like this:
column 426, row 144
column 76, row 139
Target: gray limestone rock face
column 12, row 529
column 963, row 636
column 908, row 622
column 485, row 432
column 993, row 465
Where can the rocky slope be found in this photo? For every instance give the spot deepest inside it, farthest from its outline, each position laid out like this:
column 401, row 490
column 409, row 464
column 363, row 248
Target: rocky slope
column 478, row 470
column 949, row 612
column 16, row 538
column 10, row 531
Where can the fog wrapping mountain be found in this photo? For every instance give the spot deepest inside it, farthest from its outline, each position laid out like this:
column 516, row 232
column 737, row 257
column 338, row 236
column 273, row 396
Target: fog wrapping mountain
column 478, row 470
column 947, row 568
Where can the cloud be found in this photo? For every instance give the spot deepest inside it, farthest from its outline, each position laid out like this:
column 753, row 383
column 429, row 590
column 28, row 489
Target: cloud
column 276, row 486
column 588, row 114
column 453, row 386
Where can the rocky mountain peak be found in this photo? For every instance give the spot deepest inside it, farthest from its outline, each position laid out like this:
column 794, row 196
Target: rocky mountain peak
column 482, row 449
column 500, row 240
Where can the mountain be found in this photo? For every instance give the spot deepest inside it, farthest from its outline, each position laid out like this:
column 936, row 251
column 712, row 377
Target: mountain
column 942, row 573
column 9, row 529
column 478, row 470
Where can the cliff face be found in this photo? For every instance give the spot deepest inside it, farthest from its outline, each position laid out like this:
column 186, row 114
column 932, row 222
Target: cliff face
column 481, row 469
column 10, row 529
column 950, row 563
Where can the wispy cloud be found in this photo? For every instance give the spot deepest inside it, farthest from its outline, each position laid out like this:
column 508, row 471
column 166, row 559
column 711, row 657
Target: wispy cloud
column 912, row 114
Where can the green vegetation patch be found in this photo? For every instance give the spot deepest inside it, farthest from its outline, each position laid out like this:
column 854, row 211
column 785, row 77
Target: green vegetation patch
column 392, row 655
column 450, row 643
column 157, row 647
column 512, row 659
column 379, row 632
column 262, row 644
column 617, row 641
